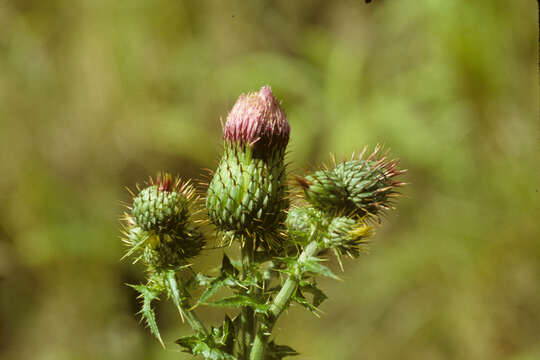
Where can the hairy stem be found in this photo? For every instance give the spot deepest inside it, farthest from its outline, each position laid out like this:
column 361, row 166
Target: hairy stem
column 280, row 302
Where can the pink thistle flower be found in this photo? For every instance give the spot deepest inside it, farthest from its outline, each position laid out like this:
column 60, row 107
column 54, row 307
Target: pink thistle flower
column 257, row 119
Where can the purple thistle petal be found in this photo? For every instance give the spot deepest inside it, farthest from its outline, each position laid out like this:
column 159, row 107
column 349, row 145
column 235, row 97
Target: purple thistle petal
column 257, row 118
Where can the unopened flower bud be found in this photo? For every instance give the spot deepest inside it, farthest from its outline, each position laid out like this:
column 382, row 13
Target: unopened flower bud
column 248, row 193
column 257, row 120
column 360, row 186
column 303, row 223
column 163, row 207
column 170, row 251
column 345, row 234
column 159, row 229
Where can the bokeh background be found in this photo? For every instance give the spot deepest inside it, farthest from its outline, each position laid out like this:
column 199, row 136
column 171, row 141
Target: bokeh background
column 96, row 95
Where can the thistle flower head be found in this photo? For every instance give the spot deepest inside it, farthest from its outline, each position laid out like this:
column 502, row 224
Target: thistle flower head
column 162, row 207
column 362, row 186
column 348, row 235
column 248, row 192
column 257, row 119
column 345, row 234
column 159, row 229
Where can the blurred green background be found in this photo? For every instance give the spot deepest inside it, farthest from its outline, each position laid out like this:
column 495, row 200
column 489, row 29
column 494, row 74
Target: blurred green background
column 96, row 95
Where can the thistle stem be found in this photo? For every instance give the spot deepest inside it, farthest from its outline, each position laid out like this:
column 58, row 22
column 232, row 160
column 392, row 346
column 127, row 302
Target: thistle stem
column 247, row 314
column 280, row 302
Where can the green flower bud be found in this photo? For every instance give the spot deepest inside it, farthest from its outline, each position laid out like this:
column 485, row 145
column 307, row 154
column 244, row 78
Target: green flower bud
column 257, row 121
column 163, row 207
column 304, row 223
column 356, row 187
column 162, row 251
column 170, row 251
column 345, row 234
column 159, row 229
column 248, row 192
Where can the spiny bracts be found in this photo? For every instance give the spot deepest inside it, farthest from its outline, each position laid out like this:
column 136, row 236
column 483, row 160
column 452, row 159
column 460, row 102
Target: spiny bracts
column 362, row 186
column 248, row 192
column 171, row 251
column 163, row 206
column 345, row 234
column 159, row 228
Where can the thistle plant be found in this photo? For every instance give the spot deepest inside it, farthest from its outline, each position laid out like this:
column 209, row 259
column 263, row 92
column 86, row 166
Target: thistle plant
column 284, row 231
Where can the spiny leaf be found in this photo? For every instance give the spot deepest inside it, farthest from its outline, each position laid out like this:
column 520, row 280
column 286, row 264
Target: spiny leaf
column 147, row 312
column 314, row 265
column 199, row 346
column 211, row 353
column 278, row 352
column 227, row 267
column 318, row 295
column 174, row 291
column 300, row 299
column 211, row 290
column 215, row 284
column 202, row 280
column 229, row 333
column 205, row 346
column 188, row 341
column 223, row 336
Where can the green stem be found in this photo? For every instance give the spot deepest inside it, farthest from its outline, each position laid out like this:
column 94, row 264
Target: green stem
column 281, row 301
column 247, row 314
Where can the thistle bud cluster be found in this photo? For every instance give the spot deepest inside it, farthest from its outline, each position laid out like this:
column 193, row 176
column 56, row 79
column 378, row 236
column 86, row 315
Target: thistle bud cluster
column 284, row 240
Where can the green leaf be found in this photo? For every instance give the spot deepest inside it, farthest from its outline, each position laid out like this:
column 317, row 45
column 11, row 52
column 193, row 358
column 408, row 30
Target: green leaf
column 211, row 353
column 203, row 280
column 206, row 346
column 223, row 336
column 318, row 295
column 215, row 284
column 211, row 290
column 146, row 311
column 240, row 301
column 227, row 267
column 229, row 333
column 229, row 278
column 173, row 290
column 291, row 266
column 278, row 352
column 300, row 299
column 313, row 265
column 188, row 342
